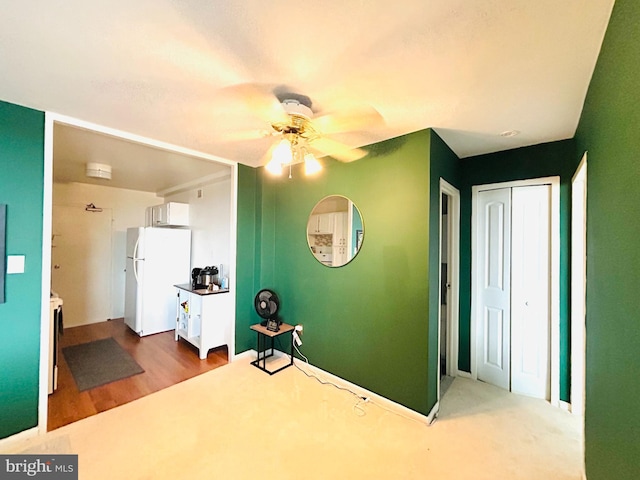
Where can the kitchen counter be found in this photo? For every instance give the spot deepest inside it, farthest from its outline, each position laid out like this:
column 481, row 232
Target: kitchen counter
column 200, row 291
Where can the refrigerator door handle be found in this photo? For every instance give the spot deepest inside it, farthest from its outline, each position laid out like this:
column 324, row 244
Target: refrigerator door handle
column 136, row 260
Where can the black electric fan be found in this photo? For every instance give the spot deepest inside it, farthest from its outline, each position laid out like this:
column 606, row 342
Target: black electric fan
column 267, row 304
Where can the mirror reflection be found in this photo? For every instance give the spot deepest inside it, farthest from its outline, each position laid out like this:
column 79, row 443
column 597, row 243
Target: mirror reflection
column 335, row 231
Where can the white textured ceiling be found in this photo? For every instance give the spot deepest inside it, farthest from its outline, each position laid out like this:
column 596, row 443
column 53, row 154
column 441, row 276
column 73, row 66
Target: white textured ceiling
column 471, row 69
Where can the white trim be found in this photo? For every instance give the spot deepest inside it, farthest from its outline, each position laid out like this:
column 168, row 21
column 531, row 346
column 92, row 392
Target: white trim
column 199, row 182
column 74, row 122
column 555, row 273
column 51, row 119
column 233, row 218
column 45, row 287
column 363, row 392
column 433, row 413
column 453, row 310
column 555, row 291
column 9, row 443
column 578, row 285
column 566, row 406
column 341, row 382
column 251, row 354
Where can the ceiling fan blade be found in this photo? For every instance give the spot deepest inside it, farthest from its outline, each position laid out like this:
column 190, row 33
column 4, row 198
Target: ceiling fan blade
column 259, row 100
column 338, row 150
column 363, row 118
column 255, row 134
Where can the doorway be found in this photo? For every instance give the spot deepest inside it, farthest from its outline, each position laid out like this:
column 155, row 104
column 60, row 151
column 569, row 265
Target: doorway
column 81, row 241
column 515, row 286
column 213, row 168
column 448, row 311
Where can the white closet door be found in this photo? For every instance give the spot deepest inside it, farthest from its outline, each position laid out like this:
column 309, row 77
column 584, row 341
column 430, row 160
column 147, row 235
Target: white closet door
column 530, row 290
column 494, row 296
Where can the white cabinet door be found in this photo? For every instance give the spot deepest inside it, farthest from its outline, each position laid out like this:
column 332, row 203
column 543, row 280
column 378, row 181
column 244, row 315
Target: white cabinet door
column 494, row 288
column 321, row 223
column 312, row 226
column 340, row 232
column 172, row 213
column 326, row 223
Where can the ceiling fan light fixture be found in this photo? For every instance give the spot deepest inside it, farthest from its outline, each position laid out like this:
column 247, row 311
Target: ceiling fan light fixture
column 274, row 167
column 311, row 164
column 283, row 153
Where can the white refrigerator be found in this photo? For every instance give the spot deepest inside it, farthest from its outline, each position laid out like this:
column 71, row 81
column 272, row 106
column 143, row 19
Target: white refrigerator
column 157, row 259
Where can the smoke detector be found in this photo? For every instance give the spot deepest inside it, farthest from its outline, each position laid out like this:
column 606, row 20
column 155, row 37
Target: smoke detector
column 98, row 170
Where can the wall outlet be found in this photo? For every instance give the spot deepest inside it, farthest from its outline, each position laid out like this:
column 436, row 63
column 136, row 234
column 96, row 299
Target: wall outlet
column 296, row 338
column 299, row 329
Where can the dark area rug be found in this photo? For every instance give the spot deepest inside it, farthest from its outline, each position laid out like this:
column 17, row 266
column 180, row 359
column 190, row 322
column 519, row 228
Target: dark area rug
column 99, row 362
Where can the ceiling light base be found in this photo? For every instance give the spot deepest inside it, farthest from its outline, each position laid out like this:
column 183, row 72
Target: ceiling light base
column 98, row 170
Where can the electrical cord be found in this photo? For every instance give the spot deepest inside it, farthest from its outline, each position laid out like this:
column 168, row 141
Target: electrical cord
column 316, row 377
column 357, row 407
column 362, row 400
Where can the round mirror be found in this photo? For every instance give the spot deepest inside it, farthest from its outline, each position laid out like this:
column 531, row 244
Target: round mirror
column 335, row 231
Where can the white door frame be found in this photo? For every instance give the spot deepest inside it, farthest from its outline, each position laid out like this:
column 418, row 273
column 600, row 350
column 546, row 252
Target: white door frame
column 555, row 274
column 50, row 120
column 578, row 285
column 453, row 247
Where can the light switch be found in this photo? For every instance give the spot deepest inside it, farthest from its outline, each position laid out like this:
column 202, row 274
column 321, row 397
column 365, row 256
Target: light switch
column 15, row 264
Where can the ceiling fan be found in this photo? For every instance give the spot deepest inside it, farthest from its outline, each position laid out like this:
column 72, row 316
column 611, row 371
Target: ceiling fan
column 300, row 135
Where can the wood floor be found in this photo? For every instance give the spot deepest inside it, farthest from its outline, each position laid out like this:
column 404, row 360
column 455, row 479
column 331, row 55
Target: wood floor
column 165, row 363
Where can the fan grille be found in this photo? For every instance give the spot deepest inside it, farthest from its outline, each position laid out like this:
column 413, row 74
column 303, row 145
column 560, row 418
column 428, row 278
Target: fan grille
column 267, row 303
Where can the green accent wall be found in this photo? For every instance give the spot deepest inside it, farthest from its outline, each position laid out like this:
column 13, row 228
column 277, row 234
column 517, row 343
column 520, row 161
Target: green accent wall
column 609, row 131
column 444, row 164
column 21, row 181
column 544, row 160
column 247, row 257
column 368, row 321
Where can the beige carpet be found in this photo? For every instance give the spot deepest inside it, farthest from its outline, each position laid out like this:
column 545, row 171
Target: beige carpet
column 238, row 422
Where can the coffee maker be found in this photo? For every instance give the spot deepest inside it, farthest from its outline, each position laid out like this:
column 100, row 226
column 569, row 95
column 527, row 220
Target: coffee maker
column 203, row 277
column 195, row 279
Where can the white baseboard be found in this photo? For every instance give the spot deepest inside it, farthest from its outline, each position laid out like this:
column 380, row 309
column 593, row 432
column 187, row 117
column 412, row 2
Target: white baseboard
column 463, row 374
column 246, row 354
column 6, row 444
column 362, row 392
column 381, row 401
column 433, row 413
column 566, row 406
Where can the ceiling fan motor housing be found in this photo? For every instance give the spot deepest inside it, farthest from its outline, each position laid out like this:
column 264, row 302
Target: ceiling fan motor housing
column 299, row 119
column 294, row 107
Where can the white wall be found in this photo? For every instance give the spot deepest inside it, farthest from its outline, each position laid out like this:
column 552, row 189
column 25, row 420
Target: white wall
column 209, row 221
column 127, row 209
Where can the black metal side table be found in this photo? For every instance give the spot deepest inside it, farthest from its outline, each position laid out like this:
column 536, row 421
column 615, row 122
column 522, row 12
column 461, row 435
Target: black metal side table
column 263, row 335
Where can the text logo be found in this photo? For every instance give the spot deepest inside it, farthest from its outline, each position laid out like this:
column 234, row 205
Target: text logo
column 52, row 467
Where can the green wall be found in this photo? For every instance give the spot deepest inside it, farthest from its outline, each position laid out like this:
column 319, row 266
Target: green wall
column 444, row 164
column 247, row 255
column 21, row 180
column 544, row 160
column 608, row 130
column 367, row 321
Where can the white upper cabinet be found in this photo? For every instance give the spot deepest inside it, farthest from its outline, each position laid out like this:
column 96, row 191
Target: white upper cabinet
column 171, row 214
column 322, row 223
